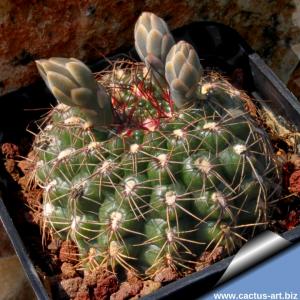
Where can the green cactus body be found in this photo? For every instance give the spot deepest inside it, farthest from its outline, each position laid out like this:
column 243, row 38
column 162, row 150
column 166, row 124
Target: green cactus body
column 162, row 172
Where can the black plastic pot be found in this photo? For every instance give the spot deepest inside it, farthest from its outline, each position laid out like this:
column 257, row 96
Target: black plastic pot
column 221, row 49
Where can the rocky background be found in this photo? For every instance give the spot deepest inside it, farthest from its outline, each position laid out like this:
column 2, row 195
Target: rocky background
column 89, row 29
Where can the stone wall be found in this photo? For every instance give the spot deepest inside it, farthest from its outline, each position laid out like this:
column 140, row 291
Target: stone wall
column 89, row 29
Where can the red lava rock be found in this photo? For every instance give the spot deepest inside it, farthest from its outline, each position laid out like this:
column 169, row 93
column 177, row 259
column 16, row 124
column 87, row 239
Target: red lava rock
column 135, row 283
column 106, row 287
column 71, row 286
column 123, row 293
column 10, row 150
column 82, row 294
column 294, row 182
column 149, row 287
column 128, row 289
column 166, row 275
column 10, row 166
column 68, row 252
column 68, row 270
column 90, row 279
column 292, row 220
column 132, row 278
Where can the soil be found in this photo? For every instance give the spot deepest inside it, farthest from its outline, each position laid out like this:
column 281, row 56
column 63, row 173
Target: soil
column 55, row 260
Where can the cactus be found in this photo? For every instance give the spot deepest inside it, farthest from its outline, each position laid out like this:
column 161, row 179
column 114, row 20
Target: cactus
column 142, row 175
